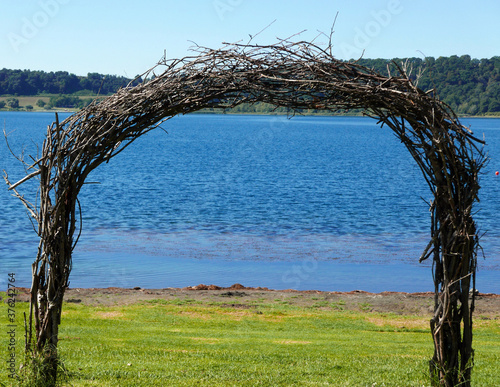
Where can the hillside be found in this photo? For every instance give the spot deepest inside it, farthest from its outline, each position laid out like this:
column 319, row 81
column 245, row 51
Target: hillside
column 469, row 86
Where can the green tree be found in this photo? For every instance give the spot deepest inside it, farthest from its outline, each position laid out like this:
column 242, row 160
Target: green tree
column 2, row 104
column 494, row 106
column 64, row 101
column 40, row 103
column 13, row 103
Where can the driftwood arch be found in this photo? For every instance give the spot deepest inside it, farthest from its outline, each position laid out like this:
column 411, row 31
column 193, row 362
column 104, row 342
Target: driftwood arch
column 297, row 75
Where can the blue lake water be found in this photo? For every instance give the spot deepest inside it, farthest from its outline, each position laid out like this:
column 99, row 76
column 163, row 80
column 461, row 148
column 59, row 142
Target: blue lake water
column 328, row 203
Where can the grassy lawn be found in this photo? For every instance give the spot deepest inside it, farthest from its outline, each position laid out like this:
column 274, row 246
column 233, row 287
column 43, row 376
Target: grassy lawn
column 185, row 343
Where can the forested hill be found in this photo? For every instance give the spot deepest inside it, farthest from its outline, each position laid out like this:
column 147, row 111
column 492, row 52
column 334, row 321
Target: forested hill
column 31, row 83
column 469, row 86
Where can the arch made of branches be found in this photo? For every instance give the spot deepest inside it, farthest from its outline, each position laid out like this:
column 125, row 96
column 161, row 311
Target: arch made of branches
column 296, row 75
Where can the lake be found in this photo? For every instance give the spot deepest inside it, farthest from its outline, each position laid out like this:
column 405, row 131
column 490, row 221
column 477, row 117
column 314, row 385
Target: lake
column 327, row 203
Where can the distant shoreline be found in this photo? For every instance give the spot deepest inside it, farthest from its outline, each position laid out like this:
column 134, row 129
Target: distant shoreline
column 73, row 111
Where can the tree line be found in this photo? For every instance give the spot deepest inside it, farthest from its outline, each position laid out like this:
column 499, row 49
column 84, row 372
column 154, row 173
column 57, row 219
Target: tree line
column 469, row 86
column 32, row 83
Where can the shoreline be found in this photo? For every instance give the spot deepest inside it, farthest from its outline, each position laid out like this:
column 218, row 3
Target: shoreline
column 73, row 111
column 487, row 305
column 237, row 286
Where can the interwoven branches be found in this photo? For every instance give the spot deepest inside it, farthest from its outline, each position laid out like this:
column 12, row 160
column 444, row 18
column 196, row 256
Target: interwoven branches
column 296, row 75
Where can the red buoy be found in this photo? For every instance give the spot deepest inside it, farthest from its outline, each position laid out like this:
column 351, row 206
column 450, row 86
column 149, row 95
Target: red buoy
column 497, row 173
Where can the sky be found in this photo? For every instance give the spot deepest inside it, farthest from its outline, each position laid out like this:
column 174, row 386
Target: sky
column 127, row 38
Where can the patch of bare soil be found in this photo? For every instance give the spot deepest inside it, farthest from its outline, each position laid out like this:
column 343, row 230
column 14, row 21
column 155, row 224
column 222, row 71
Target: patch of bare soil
column 241, row 297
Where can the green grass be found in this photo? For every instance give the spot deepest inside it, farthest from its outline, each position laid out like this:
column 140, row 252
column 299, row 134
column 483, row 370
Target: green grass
column 185, row 343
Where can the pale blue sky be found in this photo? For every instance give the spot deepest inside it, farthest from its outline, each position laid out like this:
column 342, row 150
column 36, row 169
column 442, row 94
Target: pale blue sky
column 128, row 37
